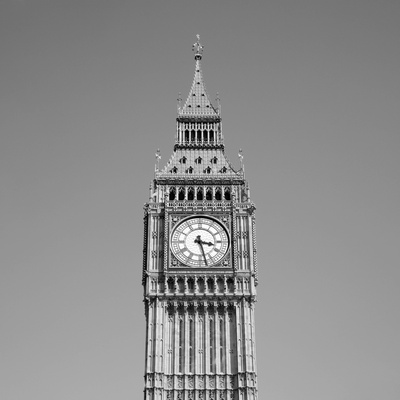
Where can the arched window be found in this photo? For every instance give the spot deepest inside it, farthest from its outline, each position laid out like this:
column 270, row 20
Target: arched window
column 227, row 194
column 172, row 193
column 211, row 136
column 221, row 345
column 220, row 283
column 199, row 193
column 210, row 285
column 181, row 194
column 218, row 194
column 181, row 285
column 207, row 170
column 230, row 285
column 191, row 345
column 183, row 160
column 191, row 194
column 198, row 160
column 181, row 344
column 174, row 170
column 205, row 137
column 186, row 135
column 190, row 284
column 193, row 135
column 223, row 170
column 200, row 285
column 199, row 136
column 170, row 284
column 189, row 170
column 212, row 342
column 209, row 194
column 214, row 160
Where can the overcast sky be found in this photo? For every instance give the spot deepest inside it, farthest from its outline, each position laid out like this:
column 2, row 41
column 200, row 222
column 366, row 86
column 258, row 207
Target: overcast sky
column 309, row 90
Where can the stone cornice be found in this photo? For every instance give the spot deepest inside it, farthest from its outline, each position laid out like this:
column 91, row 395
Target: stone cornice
column 199, row 118
column 184, row 179
column 194, row 146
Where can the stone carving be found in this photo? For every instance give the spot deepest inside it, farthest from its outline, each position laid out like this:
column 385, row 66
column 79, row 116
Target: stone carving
column 170, row 382
column 201, row 381
column 212, row 382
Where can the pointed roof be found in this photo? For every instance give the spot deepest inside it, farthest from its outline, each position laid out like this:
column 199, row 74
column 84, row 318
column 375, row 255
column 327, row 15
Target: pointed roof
column 198, row 103
column 199, row 147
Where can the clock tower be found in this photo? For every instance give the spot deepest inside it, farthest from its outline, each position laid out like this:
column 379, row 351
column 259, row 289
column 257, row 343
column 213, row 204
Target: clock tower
column 199, row 264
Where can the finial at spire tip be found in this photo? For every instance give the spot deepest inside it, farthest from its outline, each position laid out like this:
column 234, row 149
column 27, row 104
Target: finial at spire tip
column 198, row 49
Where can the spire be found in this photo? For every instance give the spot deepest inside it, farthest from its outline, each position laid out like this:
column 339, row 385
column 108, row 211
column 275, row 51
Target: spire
column 199, row 142
column 198, row 103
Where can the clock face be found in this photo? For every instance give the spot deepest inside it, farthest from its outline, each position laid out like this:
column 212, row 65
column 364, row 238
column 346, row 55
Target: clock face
column 199, row 242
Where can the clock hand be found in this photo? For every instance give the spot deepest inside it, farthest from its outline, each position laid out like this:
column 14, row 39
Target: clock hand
column 200, row 243
column 207, row 243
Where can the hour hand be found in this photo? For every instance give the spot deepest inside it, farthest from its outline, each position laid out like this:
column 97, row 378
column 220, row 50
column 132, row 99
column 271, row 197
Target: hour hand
column 198, row 240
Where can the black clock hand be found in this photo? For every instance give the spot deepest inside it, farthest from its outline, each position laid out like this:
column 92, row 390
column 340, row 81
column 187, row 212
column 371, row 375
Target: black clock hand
column 200, row 243
column 198, row 240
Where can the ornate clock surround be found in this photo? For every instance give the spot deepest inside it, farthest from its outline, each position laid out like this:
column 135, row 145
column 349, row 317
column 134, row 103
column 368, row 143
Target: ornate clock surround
column 223, row 219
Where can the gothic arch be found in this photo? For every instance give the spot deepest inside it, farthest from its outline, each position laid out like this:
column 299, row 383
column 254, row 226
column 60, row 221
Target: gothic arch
column 190, row 194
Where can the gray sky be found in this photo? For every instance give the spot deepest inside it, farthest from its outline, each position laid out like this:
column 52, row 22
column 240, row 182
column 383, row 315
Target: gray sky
column 309, row 90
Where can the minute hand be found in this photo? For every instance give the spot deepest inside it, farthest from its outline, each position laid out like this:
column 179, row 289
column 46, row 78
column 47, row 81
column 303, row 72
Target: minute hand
column 200, row 243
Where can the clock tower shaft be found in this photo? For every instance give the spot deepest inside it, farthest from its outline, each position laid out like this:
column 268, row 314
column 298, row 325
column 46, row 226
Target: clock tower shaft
column 199, row 265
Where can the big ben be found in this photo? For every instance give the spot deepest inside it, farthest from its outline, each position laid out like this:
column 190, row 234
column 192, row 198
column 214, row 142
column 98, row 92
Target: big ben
column 199, row 264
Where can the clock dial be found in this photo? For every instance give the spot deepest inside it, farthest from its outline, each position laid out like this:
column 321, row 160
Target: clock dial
column 199, row 242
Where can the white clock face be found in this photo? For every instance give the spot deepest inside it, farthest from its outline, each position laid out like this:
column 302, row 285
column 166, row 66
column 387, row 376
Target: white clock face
column 199, row 242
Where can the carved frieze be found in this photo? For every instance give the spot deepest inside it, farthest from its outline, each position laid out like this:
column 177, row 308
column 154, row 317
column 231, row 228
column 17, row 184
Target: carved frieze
column 170, row 382
column 180, row 382
column 201, row 382
column 211, row 382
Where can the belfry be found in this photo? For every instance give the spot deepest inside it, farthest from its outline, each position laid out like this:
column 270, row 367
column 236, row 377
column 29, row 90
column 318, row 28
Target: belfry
column 199, row 264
